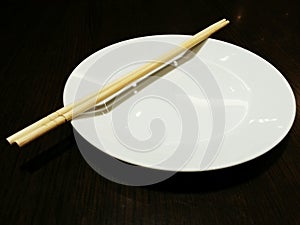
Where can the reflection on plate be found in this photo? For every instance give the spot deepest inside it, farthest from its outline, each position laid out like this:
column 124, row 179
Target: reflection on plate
column 144, row 127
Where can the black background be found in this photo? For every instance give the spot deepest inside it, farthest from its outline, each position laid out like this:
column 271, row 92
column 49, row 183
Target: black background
column 48, row 182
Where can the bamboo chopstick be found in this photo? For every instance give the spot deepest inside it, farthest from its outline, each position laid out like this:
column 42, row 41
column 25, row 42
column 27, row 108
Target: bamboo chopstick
column 69, row 112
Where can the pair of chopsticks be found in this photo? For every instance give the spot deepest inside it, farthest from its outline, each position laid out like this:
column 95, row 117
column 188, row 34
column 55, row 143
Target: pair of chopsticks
column 71, row 111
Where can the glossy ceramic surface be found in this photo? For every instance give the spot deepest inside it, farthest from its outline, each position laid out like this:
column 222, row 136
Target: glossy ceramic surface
column 258, row 103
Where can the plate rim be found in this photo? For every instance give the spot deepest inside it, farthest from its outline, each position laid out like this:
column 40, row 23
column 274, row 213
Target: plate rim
column 210, row 168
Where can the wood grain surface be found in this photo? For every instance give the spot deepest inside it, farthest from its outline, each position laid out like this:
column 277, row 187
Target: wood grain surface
column 48, row 181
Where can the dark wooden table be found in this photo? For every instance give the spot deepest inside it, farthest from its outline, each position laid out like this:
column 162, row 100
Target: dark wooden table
column 48, row 182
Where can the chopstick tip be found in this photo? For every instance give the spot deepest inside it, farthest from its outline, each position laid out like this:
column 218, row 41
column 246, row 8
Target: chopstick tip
column 10, row 140
column 225, row 21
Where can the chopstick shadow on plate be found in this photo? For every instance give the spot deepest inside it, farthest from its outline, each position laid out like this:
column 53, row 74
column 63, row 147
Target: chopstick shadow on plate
column 125, row 94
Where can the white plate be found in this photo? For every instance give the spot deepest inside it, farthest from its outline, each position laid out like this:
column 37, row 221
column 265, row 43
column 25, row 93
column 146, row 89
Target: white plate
column 259, row 106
